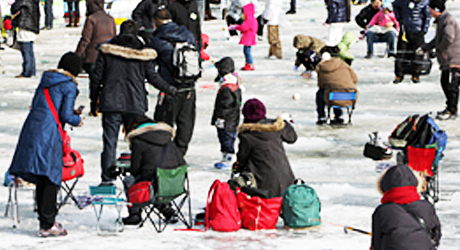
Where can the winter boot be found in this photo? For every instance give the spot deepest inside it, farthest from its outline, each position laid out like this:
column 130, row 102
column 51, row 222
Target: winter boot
column 134, row 218
column 208, row 16
column 226, row 162
column 248, row 67
column 169, row 213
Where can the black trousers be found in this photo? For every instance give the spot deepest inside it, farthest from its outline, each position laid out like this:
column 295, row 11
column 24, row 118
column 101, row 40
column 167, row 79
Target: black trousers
column 261, row 22
column 111, row 122
column 407, row 62
column 46, row 196
column 178, row 110
column 449, row 84
column 230, row 20
column 226, row 140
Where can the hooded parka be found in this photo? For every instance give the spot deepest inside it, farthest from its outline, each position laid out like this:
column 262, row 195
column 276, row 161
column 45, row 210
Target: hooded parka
column 39, row 149
column 262, row 153
column 29, row 16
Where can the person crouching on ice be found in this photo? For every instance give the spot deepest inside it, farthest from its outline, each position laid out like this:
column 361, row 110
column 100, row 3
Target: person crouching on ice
column 226, row 115
column 403, row 221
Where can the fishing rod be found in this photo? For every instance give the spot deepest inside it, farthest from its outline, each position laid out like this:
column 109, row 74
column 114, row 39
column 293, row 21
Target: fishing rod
column 345, row 228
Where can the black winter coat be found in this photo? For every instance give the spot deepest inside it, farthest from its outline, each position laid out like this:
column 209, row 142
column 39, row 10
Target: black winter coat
column 143, row 14
column 146, row 144
column 29, row 18
column 338, row 11
column 163, row 41
column 412, row 15
column 186, row 13
column 118, row 78
column 261, row 152
column 227, row 106
column 365, row 16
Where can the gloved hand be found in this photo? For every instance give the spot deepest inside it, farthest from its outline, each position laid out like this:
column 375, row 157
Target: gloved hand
column 296, row 68
column 142, row 28
column 220, row 123
column 232, row 27
column 172, row 90
column 419, row 51
column 114, row 171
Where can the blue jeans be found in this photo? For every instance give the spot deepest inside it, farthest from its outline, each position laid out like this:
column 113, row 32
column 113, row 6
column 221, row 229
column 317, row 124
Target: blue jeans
column 321, row 105
column 227, row 140
column 388, row 37
column 247, row 54
column 49, row 14
column 28, row 58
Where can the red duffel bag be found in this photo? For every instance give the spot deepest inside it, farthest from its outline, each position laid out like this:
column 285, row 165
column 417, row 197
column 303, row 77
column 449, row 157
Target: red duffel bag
column 258, row 213
column 73, row 166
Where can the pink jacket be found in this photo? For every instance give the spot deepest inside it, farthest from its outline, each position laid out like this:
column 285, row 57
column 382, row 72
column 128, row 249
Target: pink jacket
column 381, row 19
column 248, row 28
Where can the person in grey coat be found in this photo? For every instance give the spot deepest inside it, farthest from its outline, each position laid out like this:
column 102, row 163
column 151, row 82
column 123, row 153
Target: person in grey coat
column 447, row 45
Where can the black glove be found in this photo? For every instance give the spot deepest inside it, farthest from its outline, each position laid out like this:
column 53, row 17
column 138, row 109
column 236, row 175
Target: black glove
column 172, row 90
column 114, row 171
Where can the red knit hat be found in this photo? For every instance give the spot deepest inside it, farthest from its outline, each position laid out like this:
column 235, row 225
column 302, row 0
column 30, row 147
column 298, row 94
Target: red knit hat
column 253, row 111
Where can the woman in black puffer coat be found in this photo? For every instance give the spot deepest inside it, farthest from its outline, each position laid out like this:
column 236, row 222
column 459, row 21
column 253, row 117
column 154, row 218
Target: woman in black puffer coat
column 396, row 223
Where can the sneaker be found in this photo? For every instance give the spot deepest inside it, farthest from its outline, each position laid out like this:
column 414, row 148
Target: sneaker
column 55, row 230
column 338, row 121
column 260, row 38
column 291, row 11
column 132, row 219
column 398, row 79
column 321, row 122
column 369, row 55
column 415, row 79
column 446, row 115
column 248, row 67
column 106, row 184
column 391, row 55
column 169, row 213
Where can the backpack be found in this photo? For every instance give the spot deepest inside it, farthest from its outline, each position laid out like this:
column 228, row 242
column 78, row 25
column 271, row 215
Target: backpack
column 222, row 212
column 186, row 62
column 404, row 132
column 300, row 207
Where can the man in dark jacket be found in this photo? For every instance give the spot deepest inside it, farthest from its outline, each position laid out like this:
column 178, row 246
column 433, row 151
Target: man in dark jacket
column 185, row 12
column 99, row 28
column 447, row 44
column 118, row 81
column 414, row 18
column 338, row 13
column 26, row 16
column 261, row 150
column 397, row 222
column 178, row 109
column 367, row 13
column 143, row 15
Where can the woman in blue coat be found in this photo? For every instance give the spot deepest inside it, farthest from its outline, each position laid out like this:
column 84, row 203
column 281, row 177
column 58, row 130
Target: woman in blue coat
column 38, row 155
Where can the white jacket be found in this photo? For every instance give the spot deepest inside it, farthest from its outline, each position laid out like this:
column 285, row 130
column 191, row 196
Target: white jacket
column 273, row 12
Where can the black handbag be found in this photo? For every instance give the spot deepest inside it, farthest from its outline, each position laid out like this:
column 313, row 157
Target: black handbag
column 376, row 153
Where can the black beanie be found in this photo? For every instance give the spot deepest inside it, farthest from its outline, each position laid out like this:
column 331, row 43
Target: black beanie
column 225, row 66
column 71, row 62
column 438, row 5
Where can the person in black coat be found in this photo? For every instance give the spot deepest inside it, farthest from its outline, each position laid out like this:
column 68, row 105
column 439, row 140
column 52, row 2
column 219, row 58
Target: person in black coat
column 143, row 16
column 179, row 109
column 403, row 221
column 367, row 13
column 261, row 150
column 118, row 81
column 185, row 12
column 151, row 148
column 226, row 114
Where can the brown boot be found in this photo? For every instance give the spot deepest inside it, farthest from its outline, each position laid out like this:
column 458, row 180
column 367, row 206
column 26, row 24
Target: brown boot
column 208, row 15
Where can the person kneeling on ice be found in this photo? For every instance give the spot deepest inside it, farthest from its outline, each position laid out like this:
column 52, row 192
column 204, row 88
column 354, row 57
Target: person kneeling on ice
column 261, row 150
column 226, row 115
column 308, row 52
column 333, row 73
column 403, row 221
column 151, row 147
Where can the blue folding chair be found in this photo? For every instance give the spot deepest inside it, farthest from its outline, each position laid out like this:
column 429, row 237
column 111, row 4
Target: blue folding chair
column 108, row 197
column 341, row 98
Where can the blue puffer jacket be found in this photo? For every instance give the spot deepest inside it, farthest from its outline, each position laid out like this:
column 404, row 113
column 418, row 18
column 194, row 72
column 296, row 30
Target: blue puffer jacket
column 163, row 42
column 413, row 15
column 39, row 150
column 338, row 11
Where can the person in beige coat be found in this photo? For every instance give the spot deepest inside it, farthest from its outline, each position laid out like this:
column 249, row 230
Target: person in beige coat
column 333, row 74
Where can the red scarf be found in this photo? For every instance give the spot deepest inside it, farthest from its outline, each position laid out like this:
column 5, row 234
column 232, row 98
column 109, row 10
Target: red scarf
column 401, row 195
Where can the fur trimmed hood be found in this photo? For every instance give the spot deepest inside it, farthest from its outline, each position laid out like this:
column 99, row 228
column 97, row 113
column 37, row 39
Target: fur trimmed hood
column 66, row 73
column 421, row 184
column 157, row 127
column 146, row 54
column 262, row 126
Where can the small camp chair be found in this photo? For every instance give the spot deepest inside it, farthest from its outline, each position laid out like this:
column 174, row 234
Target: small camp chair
column 171, row 187
column 68, row 189
column 12, row 204
column 108, row 197
column 341, row 98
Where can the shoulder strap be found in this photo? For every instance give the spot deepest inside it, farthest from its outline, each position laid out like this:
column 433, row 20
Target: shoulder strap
column 418, row 219
column 162, row 156
column 208, row 203
column 53, row 111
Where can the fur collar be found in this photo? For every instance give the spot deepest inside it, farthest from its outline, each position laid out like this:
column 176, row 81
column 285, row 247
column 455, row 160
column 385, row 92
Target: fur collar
column 159, row 126
column 262, row 127
column 66, row 73
column 129, row 53
column 421, row 183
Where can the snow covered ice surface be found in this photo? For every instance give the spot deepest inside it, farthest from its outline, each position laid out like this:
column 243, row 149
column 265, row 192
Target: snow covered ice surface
column 328, row 159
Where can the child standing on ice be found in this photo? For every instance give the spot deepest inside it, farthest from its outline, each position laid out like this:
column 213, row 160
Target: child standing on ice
column 248, row 31
column 226, row 115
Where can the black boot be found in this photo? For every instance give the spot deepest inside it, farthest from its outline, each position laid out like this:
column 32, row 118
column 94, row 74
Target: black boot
column 169, row 213
column 134, row 218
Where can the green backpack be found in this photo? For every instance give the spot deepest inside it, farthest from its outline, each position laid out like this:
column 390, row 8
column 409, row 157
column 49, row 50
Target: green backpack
column 301, row 206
